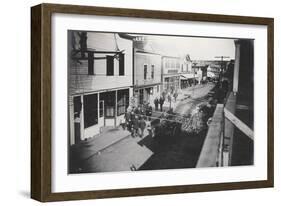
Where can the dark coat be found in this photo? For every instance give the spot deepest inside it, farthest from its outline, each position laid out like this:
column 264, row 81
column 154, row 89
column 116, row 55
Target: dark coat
column 156, row 101
column 142, row 124
column 161, row 100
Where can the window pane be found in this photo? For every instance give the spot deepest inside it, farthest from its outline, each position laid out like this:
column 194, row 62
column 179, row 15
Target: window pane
column 145, row 71
column 121, row 64
column 90, row 63
column 109, row 103
column 90, row 110
column 123, row 101
column 109, row 65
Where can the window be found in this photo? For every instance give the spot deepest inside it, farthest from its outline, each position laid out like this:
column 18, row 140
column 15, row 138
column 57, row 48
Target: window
column 109, row 103
column 157, row 88
column 121, row 64
column 109, row 65
column 90, row 110
column 172, row 64
column 91, row 63
column 144, row 71
column 122, row 101
column 167, row 63
column 152, row 71
column 177, row 64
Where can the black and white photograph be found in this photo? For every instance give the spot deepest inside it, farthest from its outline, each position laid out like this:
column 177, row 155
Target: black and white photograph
column 139, row 102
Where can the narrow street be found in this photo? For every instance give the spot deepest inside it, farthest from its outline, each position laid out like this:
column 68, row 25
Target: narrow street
column 197, row 95
column 135, row 153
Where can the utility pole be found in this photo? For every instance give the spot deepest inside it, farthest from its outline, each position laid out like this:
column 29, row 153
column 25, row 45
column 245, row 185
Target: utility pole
column 194, row 64
column 221, row 71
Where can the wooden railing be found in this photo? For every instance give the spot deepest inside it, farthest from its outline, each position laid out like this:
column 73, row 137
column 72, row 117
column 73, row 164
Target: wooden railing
column 224, row 121
column 210, row 151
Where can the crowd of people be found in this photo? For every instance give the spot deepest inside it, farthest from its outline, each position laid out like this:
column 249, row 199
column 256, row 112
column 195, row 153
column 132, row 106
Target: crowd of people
column 137, row 119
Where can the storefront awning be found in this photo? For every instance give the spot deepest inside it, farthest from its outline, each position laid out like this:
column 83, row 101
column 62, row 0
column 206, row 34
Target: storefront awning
column 188, row 76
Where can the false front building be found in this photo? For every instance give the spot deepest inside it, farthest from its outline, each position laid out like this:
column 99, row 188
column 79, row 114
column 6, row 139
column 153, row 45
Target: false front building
column 176, row 72
column 147, row 76
column 99, row 82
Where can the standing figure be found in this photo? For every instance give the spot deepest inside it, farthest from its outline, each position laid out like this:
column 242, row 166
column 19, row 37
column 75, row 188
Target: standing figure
column 156, row 102
column 148, row 111
column 135, row 126
column 132, row 122
column 175, row 96
column 142, row 125
column 161, row 101
column 128, row 120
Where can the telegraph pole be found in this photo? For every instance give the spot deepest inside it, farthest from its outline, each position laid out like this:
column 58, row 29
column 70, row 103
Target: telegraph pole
column 194, row 64
column 221, row 57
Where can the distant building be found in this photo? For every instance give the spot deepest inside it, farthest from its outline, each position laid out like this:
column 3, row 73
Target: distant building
column 100, row 82
column 172, row 67
column 187, row 74
column 147, row 76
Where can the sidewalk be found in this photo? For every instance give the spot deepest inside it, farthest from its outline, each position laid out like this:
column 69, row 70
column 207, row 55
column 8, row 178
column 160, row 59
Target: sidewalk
column 86, row 149
column 113, row 150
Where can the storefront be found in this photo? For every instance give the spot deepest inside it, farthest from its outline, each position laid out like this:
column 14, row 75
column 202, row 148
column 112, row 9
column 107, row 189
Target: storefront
column 92, row 112
column 172, row 83
column 146, row 95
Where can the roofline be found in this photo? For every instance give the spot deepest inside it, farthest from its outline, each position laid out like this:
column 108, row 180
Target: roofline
column 146, row 52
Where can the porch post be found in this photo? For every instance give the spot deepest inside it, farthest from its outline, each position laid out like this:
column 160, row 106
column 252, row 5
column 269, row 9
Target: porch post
column 236, row 67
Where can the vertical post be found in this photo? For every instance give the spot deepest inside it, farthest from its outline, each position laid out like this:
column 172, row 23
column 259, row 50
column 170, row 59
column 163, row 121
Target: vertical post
column 236, row 67
column 82, row 118
column 115, row 118
column 71, row 120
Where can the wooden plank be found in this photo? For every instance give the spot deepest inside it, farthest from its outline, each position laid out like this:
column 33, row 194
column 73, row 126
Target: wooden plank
column 242, row 107
column 239, row 124
column 210, row 150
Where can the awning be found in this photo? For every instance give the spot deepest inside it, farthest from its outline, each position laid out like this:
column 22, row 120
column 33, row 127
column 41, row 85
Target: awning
column 188, row 76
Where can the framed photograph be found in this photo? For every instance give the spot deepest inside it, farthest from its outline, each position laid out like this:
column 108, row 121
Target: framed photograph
column 130, row 102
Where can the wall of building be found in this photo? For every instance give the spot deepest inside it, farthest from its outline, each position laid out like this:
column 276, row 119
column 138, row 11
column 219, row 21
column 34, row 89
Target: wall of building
column 148, row 59
column 172, row 65
column 81, row 82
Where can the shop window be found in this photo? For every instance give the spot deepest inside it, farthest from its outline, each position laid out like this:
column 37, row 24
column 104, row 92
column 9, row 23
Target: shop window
column 109, row 103
column 90, row 103
column 122, row 101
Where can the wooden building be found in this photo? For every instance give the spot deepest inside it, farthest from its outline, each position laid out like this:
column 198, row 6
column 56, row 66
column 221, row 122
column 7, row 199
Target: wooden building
column 99, row 81
column 147, row 76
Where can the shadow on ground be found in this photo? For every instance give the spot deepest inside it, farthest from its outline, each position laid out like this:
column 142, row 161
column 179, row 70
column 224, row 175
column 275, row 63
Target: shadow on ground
column 173, row 152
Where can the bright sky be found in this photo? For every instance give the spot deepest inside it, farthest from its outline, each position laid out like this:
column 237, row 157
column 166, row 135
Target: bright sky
column 198, row 48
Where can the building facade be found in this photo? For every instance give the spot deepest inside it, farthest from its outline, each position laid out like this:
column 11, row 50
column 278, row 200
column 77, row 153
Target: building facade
column 99, row 81
column 176, row 73
column 147, row 76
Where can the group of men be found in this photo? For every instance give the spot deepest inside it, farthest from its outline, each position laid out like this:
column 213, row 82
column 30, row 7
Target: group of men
column 159, row 101
column 135, row 119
